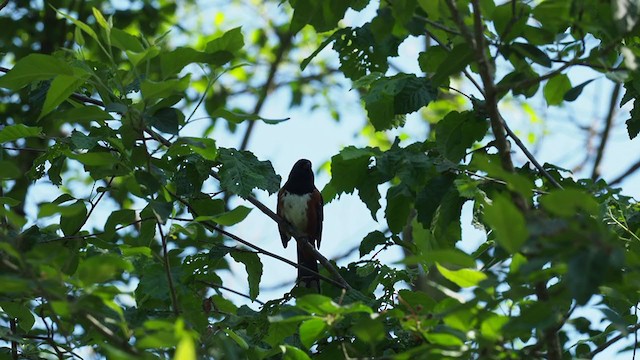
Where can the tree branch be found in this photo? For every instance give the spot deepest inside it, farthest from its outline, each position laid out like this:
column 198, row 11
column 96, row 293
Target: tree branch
column 167, row 269
column 613, row 104
column 217, row 286
column 285, row 42
column 212, row 226
column 601, row 348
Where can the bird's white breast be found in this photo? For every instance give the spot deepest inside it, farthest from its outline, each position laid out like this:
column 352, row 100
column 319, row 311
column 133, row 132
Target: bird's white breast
column 295, row 209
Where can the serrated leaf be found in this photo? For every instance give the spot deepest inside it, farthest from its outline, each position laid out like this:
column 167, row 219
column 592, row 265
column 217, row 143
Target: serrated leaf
column 397, row 95
column 34, row 67
column 507, row 222
column 241, row 172
column 430, row 197
column 253, row 265
column 457, row 132
column 463, row 277
column 399, row 203
column 370, row 241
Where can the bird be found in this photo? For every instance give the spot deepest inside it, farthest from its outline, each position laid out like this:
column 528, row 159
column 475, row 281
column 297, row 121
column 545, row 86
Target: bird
column 300, row 204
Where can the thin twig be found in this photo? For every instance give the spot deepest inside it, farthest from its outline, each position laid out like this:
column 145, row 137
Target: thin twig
column 613, row 105
column 110, row 336
column 529, row 155
column 613, row 340
column 167, row 269
column 217, row 286
column 4, row 3
column 285, row 42
column 212, row 226
column 633, row 168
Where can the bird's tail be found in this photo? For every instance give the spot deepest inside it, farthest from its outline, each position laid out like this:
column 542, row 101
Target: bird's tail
column 307, row 259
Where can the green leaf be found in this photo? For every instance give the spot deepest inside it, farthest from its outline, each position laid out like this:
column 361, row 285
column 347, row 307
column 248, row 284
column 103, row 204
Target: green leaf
column 100, row 18
column 166, row 120
column 228, row 218
column 457, row 132
column 19, row 311
column 138, row 57
column 61, row 88
column 317, row 304
column 118, row 217
column 81, row 114
column 34, row 67
column 125, row 41
column 18, row 131
column 241, row 172
column 101, row 268
column 162, row 89
column 568, row 202
column 491, row 327
column 573, row 94
column 95, row 158
column 186, row 349
column 293, row 353
column 508, row 223
column 323, row 15
column 463, row 277
column 204, row 147
column 349, row 170
column 397, row 95
column 71, row 222
column 237, row 118
column 555, row 89
column 429, row 199
column 311, row 330
column 456, row 61
column 532, row 52
column 231, row 42
column 449, row 257
column 84, row 27
column 253, row 265
column 399, row 202
column 370, row 241
column 9, row 170
column 369, row 330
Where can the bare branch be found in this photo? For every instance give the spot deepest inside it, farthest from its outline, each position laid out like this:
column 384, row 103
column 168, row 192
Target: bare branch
column 217, row 286
column 622, row 335
column 613, row 105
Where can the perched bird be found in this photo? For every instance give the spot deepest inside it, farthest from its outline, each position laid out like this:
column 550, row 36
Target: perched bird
column 300, row 203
